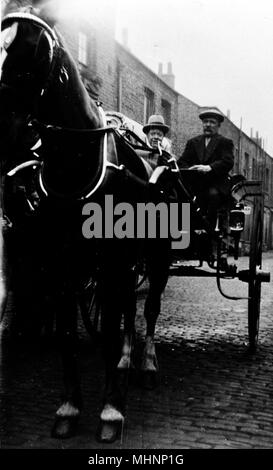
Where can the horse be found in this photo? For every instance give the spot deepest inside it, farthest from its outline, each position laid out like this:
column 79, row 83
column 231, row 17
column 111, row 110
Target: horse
column 46, row 113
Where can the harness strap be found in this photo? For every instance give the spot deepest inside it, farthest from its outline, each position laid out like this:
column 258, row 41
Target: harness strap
column 28, row 17
column 33, row 163
column 143, row 145
column 100, row 130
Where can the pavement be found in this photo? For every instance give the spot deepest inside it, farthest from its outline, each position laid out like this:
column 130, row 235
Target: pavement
column 213, row 394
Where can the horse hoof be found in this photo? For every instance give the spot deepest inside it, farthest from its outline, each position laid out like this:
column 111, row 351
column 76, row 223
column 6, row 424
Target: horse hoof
column 109, row 431
column 64, row 427
column 149, row 379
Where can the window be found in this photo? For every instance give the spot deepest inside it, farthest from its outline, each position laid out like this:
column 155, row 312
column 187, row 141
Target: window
column 149, row 104
column 82, row 48
column 166, row 111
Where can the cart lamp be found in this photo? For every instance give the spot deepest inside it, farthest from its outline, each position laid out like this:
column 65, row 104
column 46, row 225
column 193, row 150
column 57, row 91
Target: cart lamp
column 236, row 220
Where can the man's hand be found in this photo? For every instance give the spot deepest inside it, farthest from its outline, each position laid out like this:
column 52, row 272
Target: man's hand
column 201, row 168
column 157, row 173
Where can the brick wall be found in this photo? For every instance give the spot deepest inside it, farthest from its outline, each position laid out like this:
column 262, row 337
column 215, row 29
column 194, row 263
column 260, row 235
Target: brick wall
column 122, row 79
column 100, row 73
column 134, row 77
column 189, row 125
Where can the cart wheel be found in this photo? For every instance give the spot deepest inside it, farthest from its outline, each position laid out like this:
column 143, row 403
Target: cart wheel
column 254, row 285
column 90, row 307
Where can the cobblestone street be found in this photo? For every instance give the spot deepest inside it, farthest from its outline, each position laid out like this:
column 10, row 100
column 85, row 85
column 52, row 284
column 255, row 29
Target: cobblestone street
column 212, row 394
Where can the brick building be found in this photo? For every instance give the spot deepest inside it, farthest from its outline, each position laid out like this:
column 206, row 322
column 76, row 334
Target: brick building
column 141, row 94
column 123, row 83
column 113, row 75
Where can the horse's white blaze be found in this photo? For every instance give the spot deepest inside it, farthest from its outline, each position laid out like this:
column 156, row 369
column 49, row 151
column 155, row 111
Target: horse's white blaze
column 109, row 413
column 66, row 409
column 3, row 58
column 7, row 37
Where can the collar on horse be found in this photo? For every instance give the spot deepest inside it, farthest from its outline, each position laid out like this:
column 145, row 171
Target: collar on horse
column 106, row 158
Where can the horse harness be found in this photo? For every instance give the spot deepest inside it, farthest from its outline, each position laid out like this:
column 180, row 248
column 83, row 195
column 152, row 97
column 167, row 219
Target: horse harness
column 99, row 137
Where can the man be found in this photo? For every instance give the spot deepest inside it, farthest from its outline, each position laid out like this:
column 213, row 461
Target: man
column 210, row 156
column 155, row 131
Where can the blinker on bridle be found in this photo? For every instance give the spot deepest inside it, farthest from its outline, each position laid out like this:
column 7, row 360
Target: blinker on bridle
column 50, row 34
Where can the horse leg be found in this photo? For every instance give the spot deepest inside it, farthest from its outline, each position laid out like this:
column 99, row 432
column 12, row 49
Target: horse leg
column 68, row 413
column 129, row 313
column 27, row 286
column 149, row 364
column 158, row 261
column 126, row 362
column 119, row 297
column 112, row 415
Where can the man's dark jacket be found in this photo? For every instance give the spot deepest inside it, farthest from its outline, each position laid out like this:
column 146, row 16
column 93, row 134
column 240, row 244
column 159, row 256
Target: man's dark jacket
column 218, row 154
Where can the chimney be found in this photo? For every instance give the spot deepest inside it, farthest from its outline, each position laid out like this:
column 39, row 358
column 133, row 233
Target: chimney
column 228, row 113
column 168, row 77
column 258, row 139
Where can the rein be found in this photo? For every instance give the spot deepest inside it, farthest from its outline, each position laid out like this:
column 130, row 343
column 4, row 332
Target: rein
column 100, row 130
column 143, row 145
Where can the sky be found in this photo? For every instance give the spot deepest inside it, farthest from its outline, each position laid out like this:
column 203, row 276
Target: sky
column 221, row 52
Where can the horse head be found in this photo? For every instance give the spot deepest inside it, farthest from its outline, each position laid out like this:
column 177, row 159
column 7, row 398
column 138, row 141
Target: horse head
column 40, row 82
column 37, row 70
column 27, row 54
